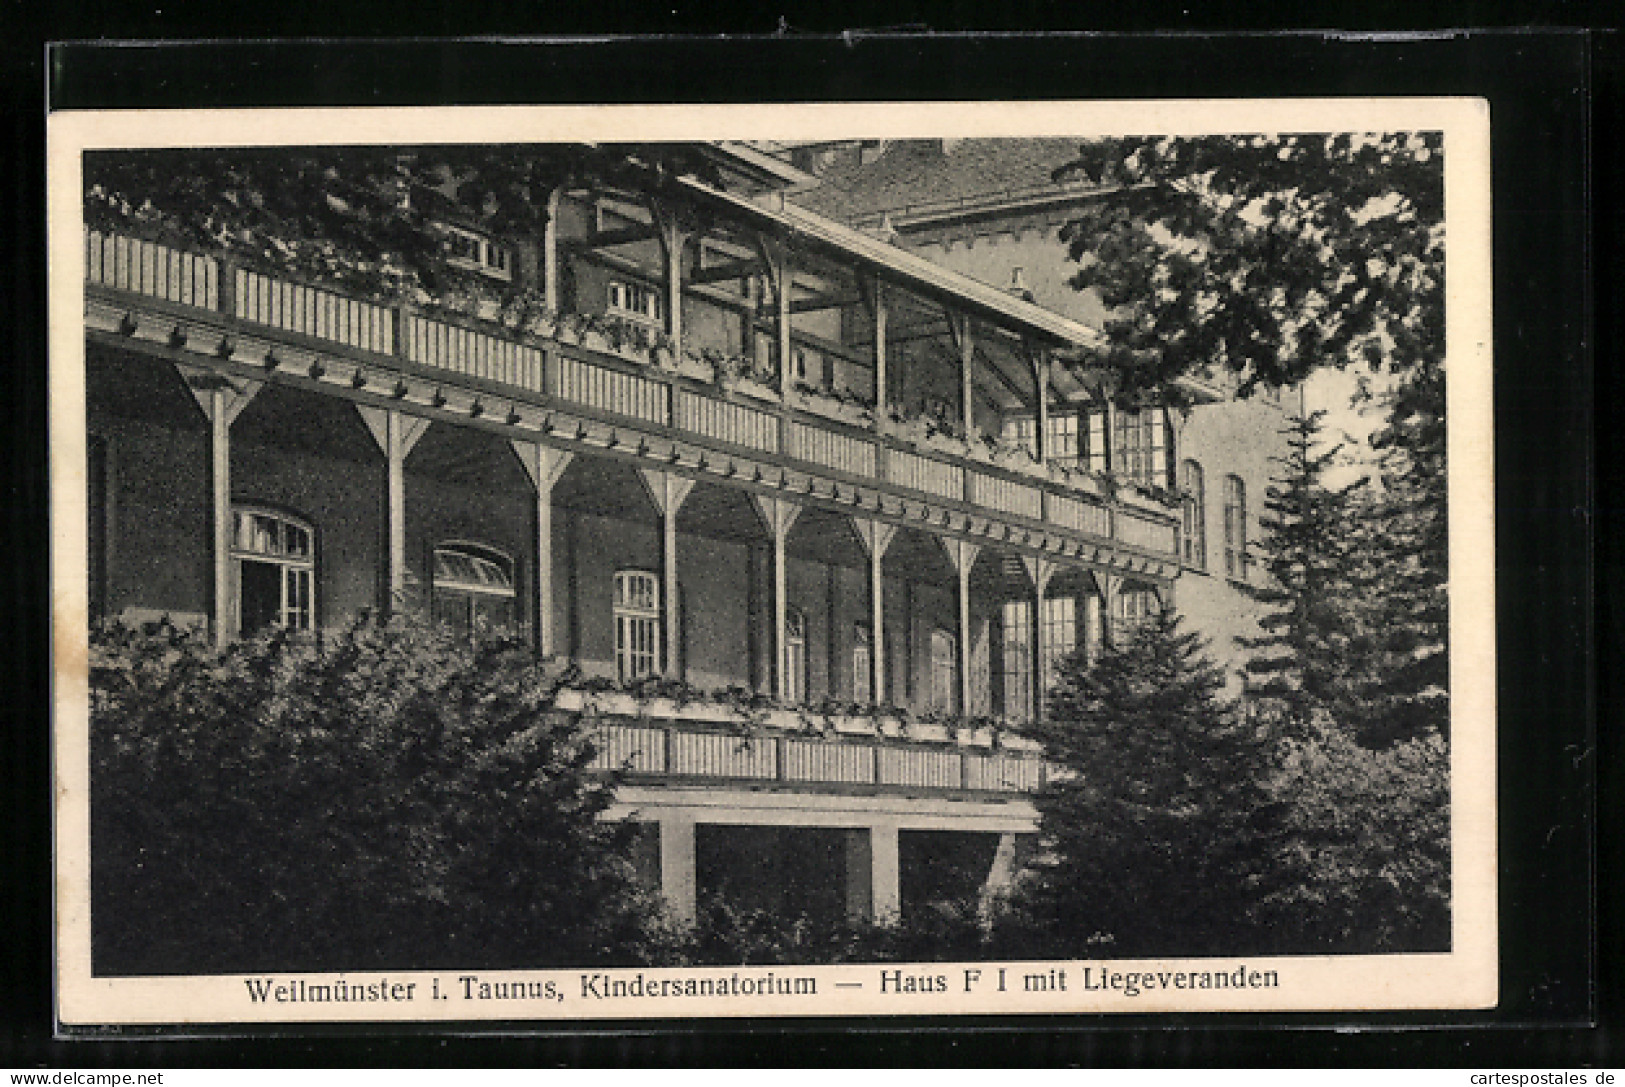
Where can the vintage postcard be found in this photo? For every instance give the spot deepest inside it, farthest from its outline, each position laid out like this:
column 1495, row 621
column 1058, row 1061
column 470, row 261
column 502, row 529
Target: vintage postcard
column 558, row 564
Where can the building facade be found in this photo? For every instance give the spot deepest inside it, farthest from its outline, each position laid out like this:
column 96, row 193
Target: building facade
column 736, row 459
column 992, row 210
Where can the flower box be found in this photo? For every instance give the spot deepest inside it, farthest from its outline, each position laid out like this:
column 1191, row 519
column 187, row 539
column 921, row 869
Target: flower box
column 752, row 388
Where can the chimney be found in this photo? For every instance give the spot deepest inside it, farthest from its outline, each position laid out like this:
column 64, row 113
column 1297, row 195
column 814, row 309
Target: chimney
column 1018, row 284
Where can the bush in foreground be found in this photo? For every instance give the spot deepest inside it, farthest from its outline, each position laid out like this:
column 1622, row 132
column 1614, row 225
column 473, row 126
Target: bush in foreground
column 384, row 798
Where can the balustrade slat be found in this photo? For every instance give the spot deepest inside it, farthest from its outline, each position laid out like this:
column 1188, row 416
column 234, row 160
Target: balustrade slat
column 925, row 767
column 709, row 754
column 1079, row 516
column 1142, row 532
column 813, row 760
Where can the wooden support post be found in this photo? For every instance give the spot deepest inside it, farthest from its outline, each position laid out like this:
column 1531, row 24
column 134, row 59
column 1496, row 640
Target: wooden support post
column 959, row 325
column 396, row 433
column 876, row 537
column 222, row 400
column 962, row 554
column 545, row 465
column 879, row 292
column 668, row 491
column 1040, row 570
column 1041, row 367
column 550, row 252
column 673, row 238
column 778, row 515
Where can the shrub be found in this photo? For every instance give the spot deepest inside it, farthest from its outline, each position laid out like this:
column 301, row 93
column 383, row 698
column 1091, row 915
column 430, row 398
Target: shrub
column 383, row 798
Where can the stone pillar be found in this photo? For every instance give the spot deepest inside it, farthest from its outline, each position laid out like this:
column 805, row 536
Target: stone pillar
column 545, row 465
column 886, row 875
column 395, row 434
column 778, row 515
column 668, row 491
column 1000, row 875
column 222, row 401
column 876, row 537
column 860, row 897
column 679, row 879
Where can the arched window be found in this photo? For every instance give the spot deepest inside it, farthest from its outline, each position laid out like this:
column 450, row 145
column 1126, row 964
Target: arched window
column 795, row 655
column 274, row 566
column 1235, row 528
column 637, row 624
column 944, row 671
column 473, row 588
column 1135, row 603
column 1193, row 527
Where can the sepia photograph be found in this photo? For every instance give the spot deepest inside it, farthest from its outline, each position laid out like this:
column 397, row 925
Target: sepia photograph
column 633, row 562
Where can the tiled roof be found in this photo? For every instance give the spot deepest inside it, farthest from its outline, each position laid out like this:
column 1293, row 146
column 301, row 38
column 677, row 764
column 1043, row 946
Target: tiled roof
column 915, row 172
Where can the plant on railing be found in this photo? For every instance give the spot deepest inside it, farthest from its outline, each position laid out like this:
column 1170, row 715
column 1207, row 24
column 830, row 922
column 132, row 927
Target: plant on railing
column 835, row 403
column 729, row 370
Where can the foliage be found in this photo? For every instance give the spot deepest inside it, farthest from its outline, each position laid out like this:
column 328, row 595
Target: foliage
column 1365, row 845
column 1307, row 657
column 1152, row 835
column 384, row 798
column 360, row 217
column 1407, row 689
column 1268, row 256
column 725, row 934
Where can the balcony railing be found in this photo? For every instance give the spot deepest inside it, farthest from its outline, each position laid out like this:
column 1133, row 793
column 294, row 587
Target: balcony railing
column 618, row 388
column 661, row 740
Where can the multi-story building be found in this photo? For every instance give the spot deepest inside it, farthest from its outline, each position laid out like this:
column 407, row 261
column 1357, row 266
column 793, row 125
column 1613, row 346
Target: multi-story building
column 992, row 210
column 734, row 444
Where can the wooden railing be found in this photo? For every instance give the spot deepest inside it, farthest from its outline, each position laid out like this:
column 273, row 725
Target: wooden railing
column 613, row 388
column 688, row 751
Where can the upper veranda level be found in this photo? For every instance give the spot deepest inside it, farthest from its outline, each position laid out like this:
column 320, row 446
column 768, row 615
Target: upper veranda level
column 801, row 358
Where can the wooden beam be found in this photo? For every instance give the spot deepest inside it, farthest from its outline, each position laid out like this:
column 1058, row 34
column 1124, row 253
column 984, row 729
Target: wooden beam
column 718, row 273
column 607, row 239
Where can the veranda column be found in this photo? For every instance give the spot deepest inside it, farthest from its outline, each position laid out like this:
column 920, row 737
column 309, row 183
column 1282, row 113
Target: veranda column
column 962, row 554
column 679, row 877
column 1001, row 874
column 960, row 326
column 222, row 401
column 396, row 433
column 876, row 537
column 1040, row 360
column 879, row 291
column 668, row 491
column 1040, row 570
column 545, row 465
column 550, row 252
column 885, row 880
column 673, row 237
column 779, row 515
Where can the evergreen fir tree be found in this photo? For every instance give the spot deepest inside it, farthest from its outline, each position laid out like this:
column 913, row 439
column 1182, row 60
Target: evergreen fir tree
column 1308, row 657
column 1406, row 688
column 1152, row 831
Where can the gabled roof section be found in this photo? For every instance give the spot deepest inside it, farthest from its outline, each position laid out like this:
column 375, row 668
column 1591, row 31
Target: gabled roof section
column 932, row 280
column 912, row 173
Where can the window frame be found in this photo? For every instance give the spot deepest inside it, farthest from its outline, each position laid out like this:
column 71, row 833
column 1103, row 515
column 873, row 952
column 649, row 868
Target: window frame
column 795, row 655
column 1193, row 514
column 944, row 671
column 1236, row 558
column 295, row 571
column 489, row 257
column 619, row 296
column 629, row 617
column 484, row 553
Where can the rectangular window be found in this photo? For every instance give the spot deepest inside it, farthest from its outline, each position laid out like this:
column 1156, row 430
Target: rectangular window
column 862, row 664
column 1017, row 659
column 1097, row 456
column 474, row 251
column 1235, row 528
column 1140, row 439
column 944, row 672
column 1193, row 515
column 1062, row 445
column 1060, row 633
column 637, row 301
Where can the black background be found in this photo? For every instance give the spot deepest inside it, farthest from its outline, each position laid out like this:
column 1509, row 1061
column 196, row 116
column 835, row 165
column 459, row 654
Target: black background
column 1554, row 98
